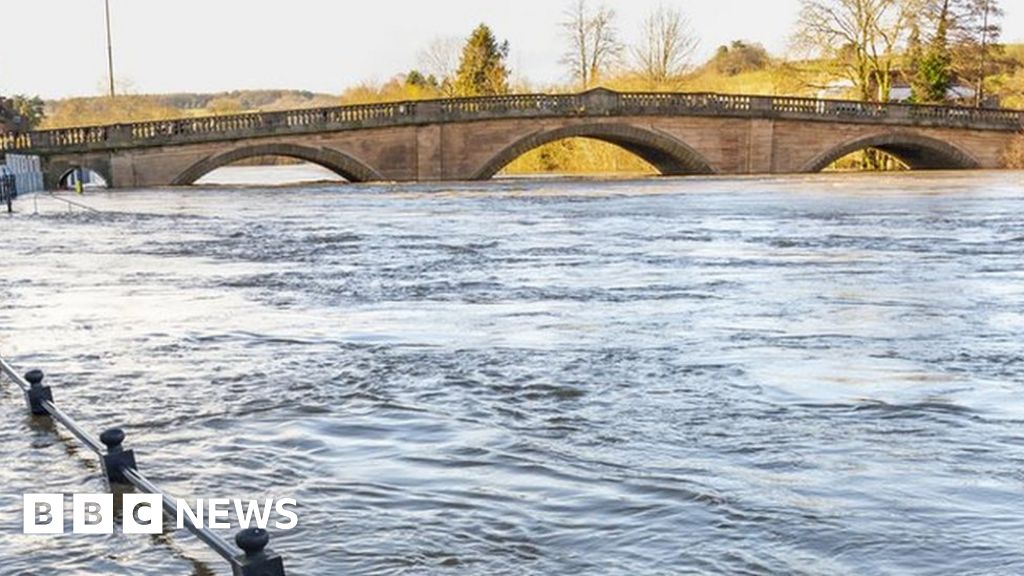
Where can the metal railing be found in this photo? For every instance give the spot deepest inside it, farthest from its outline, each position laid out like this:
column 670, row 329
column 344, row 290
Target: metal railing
column 598, row 102
column 8, row 190
column 120, row 469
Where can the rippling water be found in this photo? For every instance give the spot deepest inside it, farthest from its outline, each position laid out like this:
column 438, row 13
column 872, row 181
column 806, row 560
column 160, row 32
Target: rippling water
column 814, row 375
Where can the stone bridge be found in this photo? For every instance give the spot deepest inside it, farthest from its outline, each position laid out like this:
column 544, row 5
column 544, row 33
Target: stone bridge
column 474, row 138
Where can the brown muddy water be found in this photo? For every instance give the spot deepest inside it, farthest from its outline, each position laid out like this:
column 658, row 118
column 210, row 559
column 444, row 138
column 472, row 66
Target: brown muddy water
column 797, row 375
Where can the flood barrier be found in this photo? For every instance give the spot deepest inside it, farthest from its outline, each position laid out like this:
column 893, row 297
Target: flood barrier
column 27, row 170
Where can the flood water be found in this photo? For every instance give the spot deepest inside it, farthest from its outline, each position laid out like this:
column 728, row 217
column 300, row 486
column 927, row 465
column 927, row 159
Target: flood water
column 800, row 375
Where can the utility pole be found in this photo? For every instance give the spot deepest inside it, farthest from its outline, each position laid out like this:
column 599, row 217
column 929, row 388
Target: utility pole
column 110, row 52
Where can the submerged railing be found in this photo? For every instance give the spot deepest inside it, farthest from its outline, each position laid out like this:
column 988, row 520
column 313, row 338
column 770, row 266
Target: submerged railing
column 120, row 468
column 8, row 190
column 597, row 102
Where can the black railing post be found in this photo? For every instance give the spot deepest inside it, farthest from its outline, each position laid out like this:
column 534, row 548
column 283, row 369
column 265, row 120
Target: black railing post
column 117, row 459
column 37, row 393
column 258, row 560
column 120, row 469
column 5, row 195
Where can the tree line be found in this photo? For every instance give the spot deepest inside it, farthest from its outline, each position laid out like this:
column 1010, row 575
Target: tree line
column 934, row 46
column 931, row 44
column 20, row 113
column 593, row 48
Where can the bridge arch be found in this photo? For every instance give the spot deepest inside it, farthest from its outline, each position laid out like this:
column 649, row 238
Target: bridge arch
column 57, row 171
column 90, row 173
column 915, row 150
column 668, row 155
column 341, row 164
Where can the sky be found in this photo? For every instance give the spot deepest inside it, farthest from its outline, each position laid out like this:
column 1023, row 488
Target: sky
column 57, row 48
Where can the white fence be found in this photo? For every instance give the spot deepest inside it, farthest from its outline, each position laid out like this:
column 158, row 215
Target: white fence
column 27, row 171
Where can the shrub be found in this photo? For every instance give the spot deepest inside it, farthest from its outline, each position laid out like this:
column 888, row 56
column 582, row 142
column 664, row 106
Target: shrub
column 739, row 57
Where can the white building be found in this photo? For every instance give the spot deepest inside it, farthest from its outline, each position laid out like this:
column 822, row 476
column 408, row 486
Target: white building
column 846, row 90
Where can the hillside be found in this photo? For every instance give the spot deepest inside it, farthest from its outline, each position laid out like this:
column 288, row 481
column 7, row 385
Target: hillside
column 139, row 108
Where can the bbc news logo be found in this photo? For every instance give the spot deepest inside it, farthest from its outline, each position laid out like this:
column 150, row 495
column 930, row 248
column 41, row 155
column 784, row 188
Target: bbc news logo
column 143, row 513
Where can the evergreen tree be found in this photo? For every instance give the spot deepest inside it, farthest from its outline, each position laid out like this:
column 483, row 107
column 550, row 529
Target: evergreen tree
column 914, row 55
column 482, row 70
column 739, row 57
column 416, row 79
column 932, row 69
column 21, row 113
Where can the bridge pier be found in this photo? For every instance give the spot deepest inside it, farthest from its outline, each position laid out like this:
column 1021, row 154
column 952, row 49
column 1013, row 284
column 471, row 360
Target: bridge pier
column 761, row 147
column 430, row 153
column 56, row 168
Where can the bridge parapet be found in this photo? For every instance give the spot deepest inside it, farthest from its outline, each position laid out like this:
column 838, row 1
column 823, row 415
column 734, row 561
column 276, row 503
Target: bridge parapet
column 683, row 103
column 264, row 121
column 598, row 102
column 533, row 104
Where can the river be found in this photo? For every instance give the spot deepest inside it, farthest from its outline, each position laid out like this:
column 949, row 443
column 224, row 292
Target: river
column 789, row 375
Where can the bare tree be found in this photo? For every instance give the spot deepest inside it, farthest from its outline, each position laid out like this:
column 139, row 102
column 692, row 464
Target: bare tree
column 593, row 42
column 976, row 37
column 440, row 59
column 863, row 36
column 666, row 45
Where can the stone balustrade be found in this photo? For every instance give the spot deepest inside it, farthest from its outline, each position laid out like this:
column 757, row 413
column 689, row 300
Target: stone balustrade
column 598, row 102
